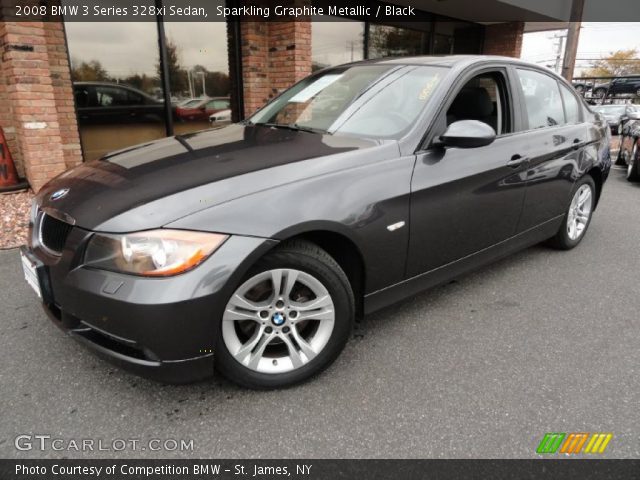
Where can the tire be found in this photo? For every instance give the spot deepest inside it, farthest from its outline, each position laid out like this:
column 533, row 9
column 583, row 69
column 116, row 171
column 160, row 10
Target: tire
column 579, row 89
column 566, row 238
column 633, row 165
column 619, row 159
column 599, row 92
column 266, row 346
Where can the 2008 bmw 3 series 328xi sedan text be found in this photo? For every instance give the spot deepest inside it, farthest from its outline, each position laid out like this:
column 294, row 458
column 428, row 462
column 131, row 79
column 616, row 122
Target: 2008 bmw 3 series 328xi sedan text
column 254, row 247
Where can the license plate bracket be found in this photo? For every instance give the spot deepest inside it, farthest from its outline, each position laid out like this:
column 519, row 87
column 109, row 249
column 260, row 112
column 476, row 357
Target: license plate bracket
column 36, row 275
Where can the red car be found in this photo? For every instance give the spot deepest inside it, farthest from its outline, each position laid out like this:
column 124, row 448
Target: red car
column 201, row 108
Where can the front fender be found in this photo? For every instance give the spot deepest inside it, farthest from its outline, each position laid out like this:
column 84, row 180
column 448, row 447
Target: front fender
column 358, row 203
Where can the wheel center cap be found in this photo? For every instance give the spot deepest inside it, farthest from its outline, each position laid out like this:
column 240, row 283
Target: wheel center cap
column 277, row 319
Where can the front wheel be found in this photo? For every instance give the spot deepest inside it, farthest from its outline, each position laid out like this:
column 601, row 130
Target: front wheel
column 288, row 320
column 577, row 217
column 633, row 167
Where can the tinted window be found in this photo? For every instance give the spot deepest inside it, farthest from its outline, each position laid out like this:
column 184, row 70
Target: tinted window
column 571, row 106
column 542, row 99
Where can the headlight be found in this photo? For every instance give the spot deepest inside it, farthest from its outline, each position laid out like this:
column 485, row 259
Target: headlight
column 154, row 253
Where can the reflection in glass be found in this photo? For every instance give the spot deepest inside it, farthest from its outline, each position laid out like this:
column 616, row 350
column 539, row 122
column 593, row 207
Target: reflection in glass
column 198, row 74
column 116, row 83
column 335, row 43
column 390, row 41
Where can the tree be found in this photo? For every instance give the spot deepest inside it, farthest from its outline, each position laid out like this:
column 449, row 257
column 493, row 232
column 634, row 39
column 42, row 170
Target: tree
column 91, row 71
column 177, row 75
column 617, row 64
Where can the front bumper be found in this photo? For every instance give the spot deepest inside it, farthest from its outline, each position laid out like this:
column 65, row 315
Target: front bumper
column 160, row 328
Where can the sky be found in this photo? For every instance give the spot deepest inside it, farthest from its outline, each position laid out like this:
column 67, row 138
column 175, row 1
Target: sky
column 597, row 39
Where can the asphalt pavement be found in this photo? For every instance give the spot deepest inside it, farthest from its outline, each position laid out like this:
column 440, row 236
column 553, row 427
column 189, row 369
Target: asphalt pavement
column 543, row 341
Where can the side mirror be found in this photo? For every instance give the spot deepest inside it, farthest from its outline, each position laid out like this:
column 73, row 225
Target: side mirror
column 468, row 134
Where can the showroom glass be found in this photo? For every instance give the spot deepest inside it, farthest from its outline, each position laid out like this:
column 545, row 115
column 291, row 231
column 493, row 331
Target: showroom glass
column 198, row 74
column 454, row 37
column 542, row 99
column 335, row 43
column 116, row 83
column 571, row 106
column 388, row 101
column 391, row 41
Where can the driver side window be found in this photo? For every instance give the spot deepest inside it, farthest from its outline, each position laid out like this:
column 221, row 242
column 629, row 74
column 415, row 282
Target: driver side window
column 483, row 98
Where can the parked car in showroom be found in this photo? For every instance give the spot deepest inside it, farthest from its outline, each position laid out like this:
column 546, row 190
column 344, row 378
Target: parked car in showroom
column 201, row 108
column 629, row 153
column 221, row 117
column 618, row 86
column 108, row 102
column 255, row 247
column 613, row 114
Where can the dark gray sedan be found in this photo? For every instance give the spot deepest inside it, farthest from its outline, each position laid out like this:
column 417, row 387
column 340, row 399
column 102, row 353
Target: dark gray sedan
column 255, row 247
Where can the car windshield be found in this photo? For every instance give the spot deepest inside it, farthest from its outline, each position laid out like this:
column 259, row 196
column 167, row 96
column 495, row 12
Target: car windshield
column 611, row 109
column 193, row 103
column 366, row 100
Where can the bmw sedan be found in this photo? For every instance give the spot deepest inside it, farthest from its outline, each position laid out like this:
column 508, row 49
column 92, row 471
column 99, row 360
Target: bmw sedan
column 252, row 249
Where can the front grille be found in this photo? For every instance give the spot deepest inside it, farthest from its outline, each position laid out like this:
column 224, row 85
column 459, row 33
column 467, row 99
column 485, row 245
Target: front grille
column 53, row 233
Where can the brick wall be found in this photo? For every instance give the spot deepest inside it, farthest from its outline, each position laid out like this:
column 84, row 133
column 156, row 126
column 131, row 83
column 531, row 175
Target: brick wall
column 275, row 55
column 503, row 39
column 36, row 89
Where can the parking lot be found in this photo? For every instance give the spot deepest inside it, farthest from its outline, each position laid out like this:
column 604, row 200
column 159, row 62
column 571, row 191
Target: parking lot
column 543, row 341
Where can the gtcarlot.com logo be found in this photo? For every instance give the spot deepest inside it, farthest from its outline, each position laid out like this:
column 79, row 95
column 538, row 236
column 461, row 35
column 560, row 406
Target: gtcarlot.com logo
column 573, row 443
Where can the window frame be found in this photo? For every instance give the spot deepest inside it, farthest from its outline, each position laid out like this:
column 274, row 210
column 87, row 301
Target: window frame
column 439, row 125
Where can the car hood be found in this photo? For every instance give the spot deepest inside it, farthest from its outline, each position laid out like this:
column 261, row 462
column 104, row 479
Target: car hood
column 149, row 185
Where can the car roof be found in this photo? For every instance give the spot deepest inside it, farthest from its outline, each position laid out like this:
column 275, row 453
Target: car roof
column 447, row 60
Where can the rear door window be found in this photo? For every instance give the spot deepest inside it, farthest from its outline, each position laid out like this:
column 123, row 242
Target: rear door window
column 542, row 99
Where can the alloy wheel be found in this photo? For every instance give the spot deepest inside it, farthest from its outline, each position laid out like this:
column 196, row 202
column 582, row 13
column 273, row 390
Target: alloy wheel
column 579, row 212
column 278, row 321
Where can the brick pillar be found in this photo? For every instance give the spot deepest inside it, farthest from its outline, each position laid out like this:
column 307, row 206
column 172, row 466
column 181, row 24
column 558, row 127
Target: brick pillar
column 38, row 92
column 275, row 55
column 503, row 39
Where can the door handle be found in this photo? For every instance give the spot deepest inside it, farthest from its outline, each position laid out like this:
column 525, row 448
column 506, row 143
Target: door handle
column 516, row 161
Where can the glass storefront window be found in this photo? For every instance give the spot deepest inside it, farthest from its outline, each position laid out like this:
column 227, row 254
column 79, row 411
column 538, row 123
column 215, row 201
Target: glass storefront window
column 198, row 74
column 116, row 84
column 393, row 41
column 335, row 43
column 454, row 37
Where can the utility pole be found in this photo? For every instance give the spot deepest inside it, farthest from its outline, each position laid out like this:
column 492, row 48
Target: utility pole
column 558, row 46
column 575, row 21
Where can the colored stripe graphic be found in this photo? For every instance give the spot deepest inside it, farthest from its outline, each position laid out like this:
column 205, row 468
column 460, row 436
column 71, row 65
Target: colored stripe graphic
column 550, row 442
column 574, row 442
column 598, row 443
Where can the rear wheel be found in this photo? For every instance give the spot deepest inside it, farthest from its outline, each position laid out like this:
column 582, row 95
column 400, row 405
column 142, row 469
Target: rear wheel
column 633, row 173
column 578, row 215
column 288, row 320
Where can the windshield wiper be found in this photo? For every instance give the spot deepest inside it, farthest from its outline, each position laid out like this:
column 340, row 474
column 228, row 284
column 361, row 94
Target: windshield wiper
column 293, row 126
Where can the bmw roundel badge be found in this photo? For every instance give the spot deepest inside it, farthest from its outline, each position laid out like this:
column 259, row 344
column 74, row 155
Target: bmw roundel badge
column 58, row 194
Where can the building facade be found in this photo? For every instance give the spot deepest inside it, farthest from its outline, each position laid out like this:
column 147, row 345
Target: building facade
column 71, row 91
